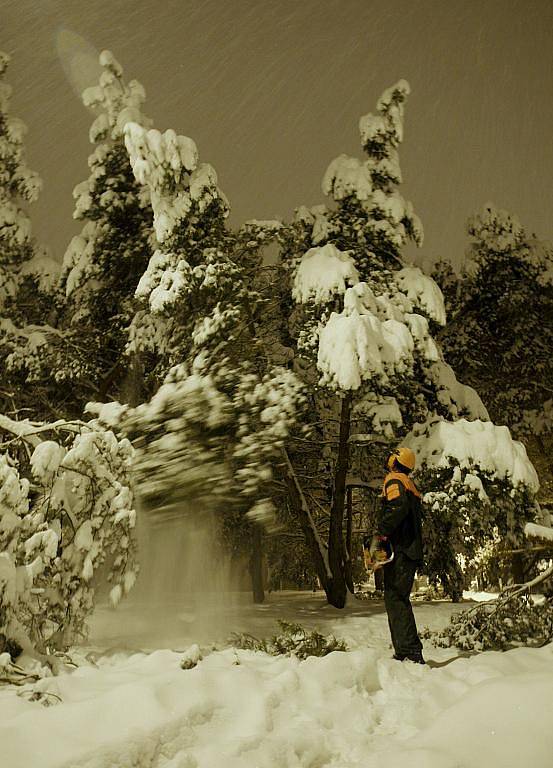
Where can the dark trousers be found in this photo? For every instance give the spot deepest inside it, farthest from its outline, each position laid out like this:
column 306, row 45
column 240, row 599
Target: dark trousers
column 398, row 582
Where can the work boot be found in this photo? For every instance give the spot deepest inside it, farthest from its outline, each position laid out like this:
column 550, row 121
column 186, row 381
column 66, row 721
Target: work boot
column 417, row 658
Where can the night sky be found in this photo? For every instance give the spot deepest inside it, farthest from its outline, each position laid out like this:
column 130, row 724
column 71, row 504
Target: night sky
column 272, row 90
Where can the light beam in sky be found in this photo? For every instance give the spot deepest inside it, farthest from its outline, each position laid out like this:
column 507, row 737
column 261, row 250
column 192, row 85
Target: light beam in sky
column 273, row 91
column 79, row 60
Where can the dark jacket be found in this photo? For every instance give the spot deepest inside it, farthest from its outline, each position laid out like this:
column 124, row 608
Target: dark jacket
column 400, row 515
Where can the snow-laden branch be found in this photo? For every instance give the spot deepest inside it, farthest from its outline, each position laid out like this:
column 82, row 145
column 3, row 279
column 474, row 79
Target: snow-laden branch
column 534, row 531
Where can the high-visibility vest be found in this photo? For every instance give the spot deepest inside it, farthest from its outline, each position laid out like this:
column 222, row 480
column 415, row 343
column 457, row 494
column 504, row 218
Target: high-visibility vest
column 406, row 482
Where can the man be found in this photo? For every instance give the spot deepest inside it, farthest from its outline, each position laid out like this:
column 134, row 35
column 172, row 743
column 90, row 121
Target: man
column 399, row 524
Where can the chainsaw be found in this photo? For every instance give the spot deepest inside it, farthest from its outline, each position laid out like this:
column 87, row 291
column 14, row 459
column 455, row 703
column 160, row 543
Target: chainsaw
column 377, row 552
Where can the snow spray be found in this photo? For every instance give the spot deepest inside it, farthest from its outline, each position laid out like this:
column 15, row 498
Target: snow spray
column 186, row 591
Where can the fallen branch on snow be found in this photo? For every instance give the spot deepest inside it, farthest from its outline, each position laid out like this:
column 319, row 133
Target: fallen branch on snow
column 512, row 619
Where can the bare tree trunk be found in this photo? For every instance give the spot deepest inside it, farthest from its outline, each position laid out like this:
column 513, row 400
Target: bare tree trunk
column 301, row 509
column 336, row 549
column 132, row 389
column 544, row 452
column 256, row 565
column 517, row 568
column 349, row 521
column 110, row 378
column 330, row 565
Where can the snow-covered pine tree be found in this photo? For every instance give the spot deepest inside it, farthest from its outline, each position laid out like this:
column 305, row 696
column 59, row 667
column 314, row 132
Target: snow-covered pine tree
column 27, row 274
column 17, row 181
column 501, row 332
column 65, row 504
column 65, row 510
column 501, row 326
column 103, row 264
column 362, row 329
column 223, row 412
column 480, row 491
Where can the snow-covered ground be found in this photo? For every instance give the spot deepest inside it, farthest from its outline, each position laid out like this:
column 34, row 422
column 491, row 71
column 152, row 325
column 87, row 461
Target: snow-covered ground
column 239, row 709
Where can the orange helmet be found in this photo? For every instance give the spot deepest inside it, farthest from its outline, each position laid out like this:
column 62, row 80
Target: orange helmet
column 403, row 456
